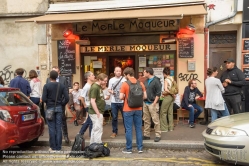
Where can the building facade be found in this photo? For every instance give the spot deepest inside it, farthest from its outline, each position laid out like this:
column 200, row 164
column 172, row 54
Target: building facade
column 135, row 34
column 23, row 45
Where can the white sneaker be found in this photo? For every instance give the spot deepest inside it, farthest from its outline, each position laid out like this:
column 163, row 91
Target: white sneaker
column 51, row 150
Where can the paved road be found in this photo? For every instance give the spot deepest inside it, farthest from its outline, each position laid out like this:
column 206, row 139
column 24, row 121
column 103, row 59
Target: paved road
column 151, row 157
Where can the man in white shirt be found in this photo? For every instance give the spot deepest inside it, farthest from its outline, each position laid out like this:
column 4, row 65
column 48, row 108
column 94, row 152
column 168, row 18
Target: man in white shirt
column 116, row 104
column 84, row 98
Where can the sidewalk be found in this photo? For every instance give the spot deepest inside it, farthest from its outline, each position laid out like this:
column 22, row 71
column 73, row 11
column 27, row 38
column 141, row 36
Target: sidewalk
column 182, row 137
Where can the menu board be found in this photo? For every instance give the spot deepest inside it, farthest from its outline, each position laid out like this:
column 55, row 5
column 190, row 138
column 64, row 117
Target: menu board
column 186, row 47
column 66, row 56
column 246, row 72
column 245, row 59
column 245, row 45
column 69, row 80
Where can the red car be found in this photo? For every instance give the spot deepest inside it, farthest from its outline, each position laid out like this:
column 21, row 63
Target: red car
column 20, row 120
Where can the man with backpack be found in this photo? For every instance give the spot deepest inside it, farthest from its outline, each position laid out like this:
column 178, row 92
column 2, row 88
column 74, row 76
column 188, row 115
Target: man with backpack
column 151, row 104
column 133, row 93
column 166, row 112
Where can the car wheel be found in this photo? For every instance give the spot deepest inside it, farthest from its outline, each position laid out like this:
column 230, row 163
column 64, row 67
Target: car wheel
column 28, row 144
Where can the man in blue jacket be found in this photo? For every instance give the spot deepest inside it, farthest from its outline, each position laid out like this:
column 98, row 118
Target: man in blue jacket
column 20, row 82
column 191, row 92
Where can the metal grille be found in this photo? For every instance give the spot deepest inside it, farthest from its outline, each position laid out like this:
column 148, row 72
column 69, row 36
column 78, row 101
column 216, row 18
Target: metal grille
column 209, row 130
column 223, row 38
column 212, row 150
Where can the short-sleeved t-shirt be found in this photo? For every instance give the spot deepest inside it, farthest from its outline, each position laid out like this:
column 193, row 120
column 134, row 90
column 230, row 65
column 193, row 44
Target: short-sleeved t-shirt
column 97, row 93
column 125, row 89
column 85, row 93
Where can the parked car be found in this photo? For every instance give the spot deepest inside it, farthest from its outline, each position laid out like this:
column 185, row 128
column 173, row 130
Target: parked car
column 228, row 138
column 20, row 119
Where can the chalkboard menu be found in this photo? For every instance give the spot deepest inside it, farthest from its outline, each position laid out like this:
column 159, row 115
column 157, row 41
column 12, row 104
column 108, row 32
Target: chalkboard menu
column 66, row 56
column 186, row 47
column 245, row 59
column 69, row 79
column 246, row 72
column 245, row 45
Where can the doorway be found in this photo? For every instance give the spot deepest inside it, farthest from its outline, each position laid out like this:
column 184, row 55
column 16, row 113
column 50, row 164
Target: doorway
column 221, row 46
column 121, row 61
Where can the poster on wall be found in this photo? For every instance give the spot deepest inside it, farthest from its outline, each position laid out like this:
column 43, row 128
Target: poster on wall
column 159, row 73
column 97, row 64
column 142, row 61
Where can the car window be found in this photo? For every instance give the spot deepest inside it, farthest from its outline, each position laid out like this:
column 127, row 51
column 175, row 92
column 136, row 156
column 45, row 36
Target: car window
column 3, row 101
column 14, row 98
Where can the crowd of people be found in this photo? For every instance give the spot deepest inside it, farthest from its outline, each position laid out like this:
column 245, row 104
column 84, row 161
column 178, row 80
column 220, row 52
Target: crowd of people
column 223, row 97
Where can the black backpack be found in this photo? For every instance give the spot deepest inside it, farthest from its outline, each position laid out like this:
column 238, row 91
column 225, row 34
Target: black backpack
column 78, row 146
column 96, row 150
column 135, row 96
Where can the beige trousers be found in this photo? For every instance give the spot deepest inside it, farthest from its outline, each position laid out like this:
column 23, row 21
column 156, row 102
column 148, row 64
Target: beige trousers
column 151, row 111
column 97, row 129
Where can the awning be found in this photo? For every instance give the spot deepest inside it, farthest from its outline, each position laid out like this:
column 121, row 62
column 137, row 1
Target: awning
column 151, row 13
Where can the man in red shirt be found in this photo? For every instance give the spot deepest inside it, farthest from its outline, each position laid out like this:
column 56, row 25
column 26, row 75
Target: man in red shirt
column 132, row 115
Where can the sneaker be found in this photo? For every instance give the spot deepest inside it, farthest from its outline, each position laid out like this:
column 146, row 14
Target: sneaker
column 113, row 135
column 140, row 151
column 164, row 131
column 192, row 125
column 157, row 139
column 51, row 150
column 127, row 151
column 75, row 122
column 146, row 138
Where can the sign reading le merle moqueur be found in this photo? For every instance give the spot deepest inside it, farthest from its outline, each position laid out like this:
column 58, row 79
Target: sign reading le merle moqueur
column 66, row 56
column 186, row 47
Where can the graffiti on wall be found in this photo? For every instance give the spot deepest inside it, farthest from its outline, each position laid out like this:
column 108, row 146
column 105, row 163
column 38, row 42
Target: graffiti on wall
column 188, row 77
column 8, row 74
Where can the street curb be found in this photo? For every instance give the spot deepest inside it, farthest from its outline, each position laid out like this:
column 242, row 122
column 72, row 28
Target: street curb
column 150, row 144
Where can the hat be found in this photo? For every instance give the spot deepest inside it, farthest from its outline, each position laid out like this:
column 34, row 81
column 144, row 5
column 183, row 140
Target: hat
column 229, row 60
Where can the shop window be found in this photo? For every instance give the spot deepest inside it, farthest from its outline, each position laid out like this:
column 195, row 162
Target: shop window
column 158, row 62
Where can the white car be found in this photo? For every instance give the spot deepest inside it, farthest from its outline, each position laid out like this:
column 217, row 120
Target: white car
column 228, row 138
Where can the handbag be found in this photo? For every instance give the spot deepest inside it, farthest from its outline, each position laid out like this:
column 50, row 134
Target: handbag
column 50, row 112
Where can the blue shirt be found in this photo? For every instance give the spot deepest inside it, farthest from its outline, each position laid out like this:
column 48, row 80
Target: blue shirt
column 22, row 84
column 149, row 81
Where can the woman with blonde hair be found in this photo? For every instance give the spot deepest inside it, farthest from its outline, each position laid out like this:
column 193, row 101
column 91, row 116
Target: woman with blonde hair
column 35, row 85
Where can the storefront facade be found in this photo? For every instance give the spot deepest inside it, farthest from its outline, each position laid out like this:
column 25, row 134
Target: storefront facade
column 155, row 41
column 153, row 35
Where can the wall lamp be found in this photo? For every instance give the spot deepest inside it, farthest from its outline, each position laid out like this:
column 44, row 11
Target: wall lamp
column 67, row 32
column 190, row 26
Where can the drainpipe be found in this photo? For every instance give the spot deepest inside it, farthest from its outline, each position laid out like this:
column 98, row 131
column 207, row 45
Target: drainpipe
column 206, row 35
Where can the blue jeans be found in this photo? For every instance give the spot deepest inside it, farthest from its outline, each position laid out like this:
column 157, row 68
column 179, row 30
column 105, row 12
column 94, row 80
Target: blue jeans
column 136, row 118
column 222, row 112
column 115, row 107
column 35, row 100
column 54, row 127
column 192, row 114
column 87, row 124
